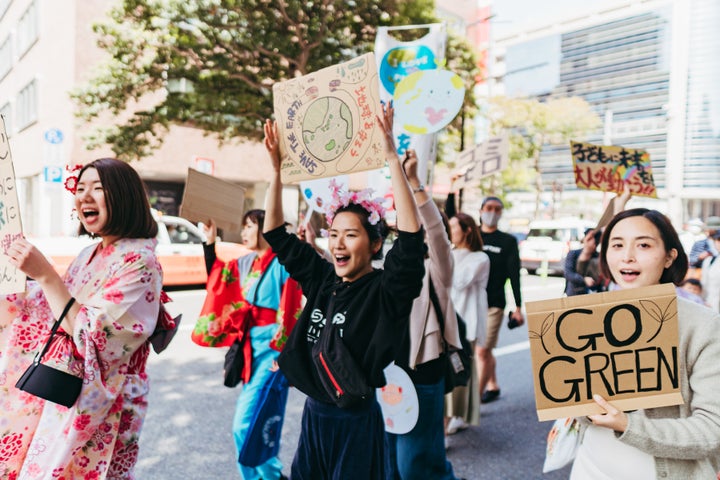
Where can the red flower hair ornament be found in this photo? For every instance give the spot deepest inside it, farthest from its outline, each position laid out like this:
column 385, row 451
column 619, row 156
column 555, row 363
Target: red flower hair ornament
column 71, row 181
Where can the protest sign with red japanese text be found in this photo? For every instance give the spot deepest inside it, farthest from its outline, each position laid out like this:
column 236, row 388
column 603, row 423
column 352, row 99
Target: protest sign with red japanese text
column 607, row 168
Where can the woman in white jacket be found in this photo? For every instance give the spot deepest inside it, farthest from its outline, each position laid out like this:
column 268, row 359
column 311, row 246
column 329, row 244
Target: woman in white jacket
column 469, row 295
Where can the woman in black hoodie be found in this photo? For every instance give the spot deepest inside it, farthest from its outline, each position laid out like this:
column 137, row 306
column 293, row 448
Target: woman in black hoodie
column 353, row 317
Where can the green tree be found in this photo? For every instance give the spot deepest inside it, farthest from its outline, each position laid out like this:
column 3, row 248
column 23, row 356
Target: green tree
column 226, row 53
column 533, row 124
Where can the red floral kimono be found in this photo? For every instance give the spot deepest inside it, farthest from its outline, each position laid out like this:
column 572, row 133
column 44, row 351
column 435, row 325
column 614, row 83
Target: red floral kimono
column 231, row 288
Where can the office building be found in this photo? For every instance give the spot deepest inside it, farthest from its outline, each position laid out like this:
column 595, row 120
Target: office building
column 649, row 69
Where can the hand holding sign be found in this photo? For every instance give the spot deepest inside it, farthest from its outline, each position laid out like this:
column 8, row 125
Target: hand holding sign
column 612, row 418
column 28, row 259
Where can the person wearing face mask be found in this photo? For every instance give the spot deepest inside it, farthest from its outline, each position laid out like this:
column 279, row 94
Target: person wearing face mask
column 502, row 248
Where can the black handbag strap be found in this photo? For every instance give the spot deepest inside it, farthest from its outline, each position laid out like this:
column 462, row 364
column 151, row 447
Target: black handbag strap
column 438, row 311
column 257, row 285
column 41, row 354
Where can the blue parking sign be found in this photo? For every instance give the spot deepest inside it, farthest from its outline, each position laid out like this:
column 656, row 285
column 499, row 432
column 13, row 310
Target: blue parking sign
column 53, row 174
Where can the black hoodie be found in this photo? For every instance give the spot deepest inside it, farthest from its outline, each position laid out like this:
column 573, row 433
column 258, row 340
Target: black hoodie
column 372, row 312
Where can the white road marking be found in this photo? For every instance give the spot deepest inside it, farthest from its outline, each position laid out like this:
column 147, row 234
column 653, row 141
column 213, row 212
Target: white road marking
column 512, row 348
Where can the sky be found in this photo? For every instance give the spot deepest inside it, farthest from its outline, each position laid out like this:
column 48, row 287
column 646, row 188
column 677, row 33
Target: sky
column 513, row 15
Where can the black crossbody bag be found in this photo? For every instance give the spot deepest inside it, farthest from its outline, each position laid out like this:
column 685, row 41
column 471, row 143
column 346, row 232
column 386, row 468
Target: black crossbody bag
column 341, row 376
column 47, row 382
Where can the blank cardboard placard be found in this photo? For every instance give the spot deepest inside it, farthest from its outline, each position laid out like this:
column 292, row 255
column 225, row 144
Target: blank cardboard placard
column 622, row 345
column 12, row 280
column 607, row 168
column 209, row 197
column 327, row 121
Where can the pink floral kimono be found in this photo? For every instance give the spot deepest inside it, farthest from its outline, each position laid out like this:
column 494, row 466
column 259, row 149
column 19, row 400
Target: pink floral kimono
column 118, row 289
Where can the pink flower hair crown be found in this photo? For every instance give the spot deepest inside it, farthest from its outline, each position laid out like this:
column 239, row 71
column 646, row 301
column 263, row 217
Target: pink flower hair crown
column 363, row 198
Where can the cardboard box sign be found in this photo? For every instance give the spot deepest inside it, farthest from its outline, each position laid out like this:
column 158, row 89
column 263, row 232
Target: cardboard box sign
column 207, row 197
column 327, row 121
column 622, row 345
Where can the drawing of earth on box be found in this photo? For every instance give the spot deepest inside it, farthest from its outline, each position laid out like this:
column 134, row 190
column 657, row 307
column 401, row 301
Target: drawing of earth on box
column 327, row 121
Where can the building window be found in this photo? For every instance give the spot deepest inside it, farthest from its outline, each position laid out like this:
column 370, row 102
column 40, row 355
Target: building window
column 26, row 113
column 4, row 5
column 27, row 31
column 5, row 57
column 6, row 112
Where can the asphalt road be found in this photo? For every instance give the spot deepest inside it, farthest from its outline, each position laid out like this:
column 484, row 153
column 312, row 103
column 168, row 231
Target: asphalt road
column 187, row 429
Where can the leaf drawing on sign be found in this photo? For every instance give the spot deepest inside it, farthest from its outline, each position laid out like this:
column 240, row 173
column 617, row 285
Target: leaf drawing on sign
column 658, row 314
column 544, row 328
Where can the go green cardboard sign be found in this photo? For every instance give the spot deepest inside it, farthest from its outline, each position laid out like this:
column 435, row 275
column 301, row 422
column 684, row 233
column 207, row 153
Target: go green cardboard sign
column 622, row 345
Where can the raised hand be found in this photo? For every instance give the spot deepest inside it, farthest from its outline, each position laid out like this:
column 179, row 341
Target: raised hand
column 410, row 165
column 386, row 123
column 210, row 231
column 272, row 143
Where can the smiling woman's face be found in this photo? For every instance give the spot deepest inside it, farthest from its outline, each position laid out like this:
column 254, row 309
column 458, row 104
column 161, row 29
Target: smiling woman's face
column 90, row 202
column 350, row 247
column 636, row 254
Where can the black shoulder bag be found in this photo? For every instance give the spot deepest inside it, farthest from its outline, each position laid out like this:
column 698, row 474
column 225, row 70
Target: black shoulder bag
column 458, row 363
column 234, row 357
column 47, row 382
column 341, row 376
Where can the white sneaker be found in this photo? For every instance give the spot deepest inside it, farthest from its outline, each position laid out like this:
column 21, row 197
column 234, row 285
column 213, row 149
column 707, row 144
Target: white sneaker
column 455, row 425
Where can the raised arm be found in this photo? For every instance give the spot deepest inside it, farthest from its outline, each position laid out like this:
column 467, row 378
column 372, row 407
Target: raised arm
column 273, row 198
column 408, row 219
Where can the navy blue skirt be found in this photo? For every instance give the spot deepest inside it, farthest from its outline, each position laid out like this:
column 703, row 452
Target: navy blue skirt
column 340, row 444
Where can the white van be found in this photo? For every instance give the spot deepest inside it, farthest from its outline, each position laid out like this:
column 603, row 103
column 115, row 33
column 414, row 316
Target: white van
column 548, row 243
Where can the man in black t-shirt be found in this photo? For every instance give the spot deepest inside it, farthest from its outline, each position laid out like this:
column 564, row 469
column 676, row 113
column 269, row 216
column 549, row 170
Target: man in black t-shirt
column 502, row 248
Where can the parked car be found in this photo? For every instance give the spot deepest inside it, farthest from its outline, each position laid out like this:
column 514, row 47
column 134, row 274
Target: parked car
column 548, row 243
column 179, row 250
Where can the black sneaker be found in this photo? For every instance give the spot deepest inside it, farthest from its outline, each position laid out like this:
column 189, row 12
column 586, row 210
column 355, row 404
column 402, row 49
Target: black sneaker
column 490, row 396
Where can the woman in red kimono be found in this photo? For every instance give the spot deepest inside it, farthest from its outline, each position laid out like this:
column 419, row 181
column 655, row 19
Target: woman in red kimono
column 252, row 295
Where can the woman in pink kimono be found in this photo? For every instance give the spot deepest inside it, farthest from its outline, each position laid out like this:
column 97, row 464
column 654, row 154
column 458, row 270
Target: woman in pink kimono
column 116, row 285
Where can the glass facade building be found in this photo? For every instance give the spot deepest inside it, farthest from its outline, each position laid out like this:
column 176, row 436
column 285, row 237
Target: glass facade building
column 702, row 132
column 651, row 73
